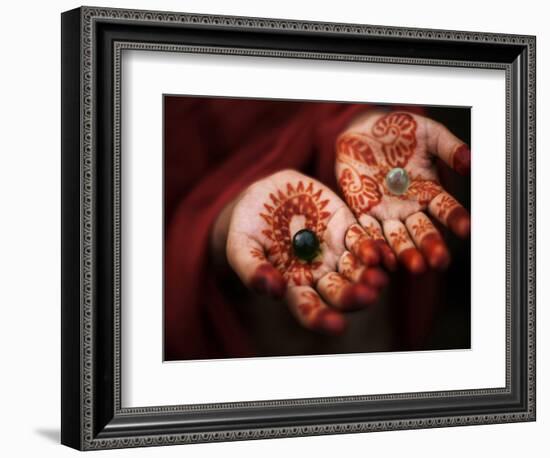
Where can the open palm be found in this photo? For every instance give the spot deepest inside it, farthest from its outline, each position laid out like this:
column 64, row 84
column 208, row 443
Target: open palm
column 385, row 168
column 339, row 277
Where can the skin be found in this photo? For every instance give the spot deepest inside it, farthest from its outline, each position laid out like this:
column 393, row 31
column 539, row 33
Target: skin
column 367, row 150
column 256, row 232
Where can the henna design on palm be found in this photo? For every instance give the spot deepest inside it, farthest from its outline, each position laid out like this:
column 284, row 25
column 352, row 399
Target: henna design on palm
column 343, row 274
column 304, row 203
column 379, row 142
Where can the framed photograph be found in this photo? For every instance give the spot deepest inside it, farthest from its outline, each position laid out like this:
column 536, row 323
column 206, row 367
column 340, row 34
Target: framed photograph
column 276, row 228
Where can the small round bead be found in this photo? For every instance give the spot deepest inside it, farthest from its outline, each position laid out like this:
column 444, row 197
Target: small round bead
column 305, row 244
column 397, row 181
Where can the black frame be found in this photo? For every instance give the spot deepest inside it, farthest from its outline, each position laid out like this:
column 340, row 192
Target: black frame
column 92, row 42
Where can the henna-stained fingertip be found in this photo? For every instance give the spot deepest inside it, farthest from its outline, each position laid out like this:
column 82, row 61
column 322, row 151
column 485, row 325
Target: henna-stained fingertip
column 413, row 260
column 461, row 160
column 436, row 252
column 268, row 280
column 459, row 222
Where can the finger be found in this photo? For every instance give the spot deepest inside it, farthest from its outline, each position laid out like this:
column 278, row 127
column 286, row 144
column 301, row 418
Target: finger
column 368, row 245
column 428, row 239
column 374, row 232
column 375, row 277
column 351, row 269
column 344, row 295
column 362, row 246
column 388, row 256
column 449, row 212
column 312, row 313
column 445, row 145
column 400, row 241
column 246, row 256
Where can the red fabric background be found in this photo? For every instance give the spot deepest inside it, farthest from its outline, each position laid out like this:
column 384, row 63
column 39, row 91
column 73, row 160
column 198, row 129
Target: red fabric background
column 214, row 148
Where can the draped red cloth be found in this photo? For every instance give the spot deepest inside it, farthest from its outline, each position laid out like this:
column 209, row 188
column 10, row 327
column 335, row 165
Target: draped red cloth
column 214, row 148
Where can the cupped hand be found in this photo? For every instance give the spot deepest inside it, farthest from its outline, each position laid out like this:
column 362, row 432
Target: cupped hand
column 338, row 276
column 385, row 167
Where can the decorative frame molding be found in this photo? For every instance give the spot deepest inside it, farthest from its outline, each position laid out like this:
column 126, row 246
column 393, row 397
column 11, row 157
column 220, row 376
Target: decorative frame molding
column 92, row 414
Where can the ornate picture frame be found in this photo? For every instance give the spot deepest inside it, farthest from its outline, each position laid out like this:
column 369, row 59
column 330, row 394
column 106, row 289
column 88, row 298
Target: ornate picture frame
column 92, row 414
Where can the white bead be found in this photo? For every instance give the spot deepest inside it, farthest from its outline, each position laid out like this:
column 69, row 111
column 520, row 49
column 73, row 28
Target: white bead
column 397, row 181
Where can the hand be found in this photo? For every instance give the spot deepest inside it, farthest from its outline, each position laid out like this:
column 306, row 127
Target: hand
column 380, row 142
column 339, row 276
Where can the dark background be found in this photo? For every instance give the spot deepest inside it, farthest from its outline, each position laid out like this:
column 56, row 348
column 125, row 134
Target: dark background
column 452, row 321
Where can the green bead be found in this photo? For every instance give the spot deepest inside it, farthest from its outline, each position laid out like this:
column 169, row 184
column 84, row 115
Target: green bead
column 397, row 181
column 305, row 244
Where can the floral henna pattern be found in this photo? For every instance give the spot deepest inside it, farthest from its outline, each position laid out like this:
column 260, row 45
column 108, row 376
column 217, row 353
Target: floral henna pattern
column 360, row 191
column 311, row 305
column 296, row 201
column 364, row 166
column 347, row 296
column 367, row 153
column 399, row 238
column 429, row 241
column 397, row 133
column 301, row 273
column 421, row 227
column 317, row 316
column 423, row 191
column 447, row 210
column 257, row 254
column 445, row 205
column 335, row 283
column 355, row 147
column 373, row 232
column 356, row 231
column 348, row 266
